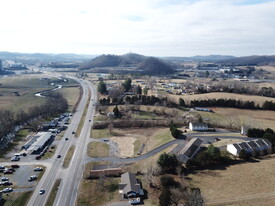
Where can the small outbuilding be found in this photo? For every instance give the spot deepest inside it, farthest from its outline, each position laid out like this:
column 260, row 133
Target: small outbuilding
column 198, row 126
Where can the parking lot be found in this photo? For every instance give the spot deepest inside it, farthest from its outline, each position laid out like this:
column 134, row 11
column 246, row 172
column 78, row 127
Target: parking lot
column 20, row 177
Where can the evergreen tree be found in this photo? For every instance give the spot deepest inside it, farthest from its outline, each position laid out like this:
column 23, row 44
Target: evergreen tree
column 138, row 90
column 117, row 112
column 181, row 102
column 127, row 84
column 168, row 163
column 101, row 88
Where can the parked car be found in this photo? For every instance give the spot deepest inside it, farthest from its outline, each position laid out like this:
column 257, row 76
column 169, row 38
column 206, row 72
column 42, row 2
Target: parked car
column 38, row 157
column 31, row 178
column 15, row 166
column 2, row 167
column 6, row 183
column 15, row 158
column 66, row 139
column 6, row 190
column 5, row 179
column 42, row 191
column 8, row 172
column 38, row 169
column 73, row 132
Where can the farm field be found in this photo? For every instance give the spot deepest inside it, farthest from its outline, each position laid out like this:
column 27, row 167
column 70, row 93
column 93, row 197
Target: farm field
column 255, row 118
column 71, row 94
column 18, row 92
column 249, row 183
column 216, row 95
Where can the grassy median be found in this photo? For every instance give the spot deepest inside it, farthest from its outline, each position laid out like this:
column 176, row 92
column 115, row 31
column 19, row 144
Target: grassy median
column 68, row 157
column 53, row 193
column 83, row 117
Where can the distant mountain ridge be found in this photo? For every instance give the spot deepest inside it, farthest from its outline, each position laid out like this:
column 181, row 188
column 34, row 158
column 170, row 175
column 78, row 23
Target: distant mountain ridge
column 210, row 58
column 18, row 55
column 250, row 60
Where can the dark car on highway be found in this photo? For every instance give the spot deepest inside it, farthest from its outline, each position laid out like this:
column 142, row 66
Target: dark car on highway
column 58, row 156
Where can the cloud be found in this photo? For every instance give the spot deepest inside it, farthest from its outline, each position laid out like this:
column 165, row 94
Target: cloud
column 151, row 27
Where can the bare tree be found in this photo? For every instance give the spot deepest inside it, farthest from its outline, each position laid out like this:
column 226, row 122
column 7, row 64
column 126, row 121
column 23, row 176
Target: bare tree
column 110, row 128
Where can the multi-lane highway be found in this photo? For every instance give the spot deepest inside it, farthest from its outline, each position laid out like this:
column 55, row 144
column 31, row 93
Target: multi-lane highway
column 71, row 176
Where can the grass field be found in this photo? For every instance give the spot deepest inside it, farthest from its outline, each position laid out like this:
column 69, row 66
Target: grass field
column 17, row 199
column 17, row 92
column 254, row 118
column 239, row 180
column 216, row 95
column 106, row 190
column 72, row 95
column 100, row 133
column 98, row 149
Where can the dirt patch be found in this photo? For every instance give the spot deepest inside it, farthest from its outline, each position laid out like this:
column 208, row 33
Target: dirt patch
column 125, row 144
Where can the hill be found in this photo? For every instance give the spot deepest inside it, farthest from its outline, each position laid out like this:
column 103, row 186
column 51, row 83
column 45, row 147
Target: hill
column 208, row 58
column 250, row 60
column 109, row 60
column 152, row 65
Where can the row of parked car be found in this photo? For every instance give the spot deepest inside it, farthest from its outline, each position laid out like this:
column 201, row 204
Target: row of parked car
column 5, row 180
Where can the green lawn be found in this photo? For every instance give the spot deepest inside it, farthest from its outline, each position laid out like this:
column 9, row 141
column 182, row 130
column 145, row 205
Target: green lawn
column 98, row 149
column 100, row 133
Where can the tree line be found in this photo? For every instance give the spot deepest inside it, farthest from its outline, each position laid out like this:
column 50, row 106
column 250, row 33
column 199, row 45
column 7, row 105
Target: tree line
column 260, row 133
column 135, row 99
column 55, row 104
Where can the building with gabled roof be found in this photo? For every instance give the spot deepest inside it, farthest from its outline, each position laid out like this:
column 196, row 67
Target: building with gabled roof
column 198, row 126
column 190, row 149
column 129, row 186
column 260, row 146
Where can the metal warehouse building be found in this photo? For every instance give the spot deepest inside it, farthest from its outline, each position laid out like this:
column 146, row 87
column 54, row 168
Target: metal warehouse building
column 40, row 141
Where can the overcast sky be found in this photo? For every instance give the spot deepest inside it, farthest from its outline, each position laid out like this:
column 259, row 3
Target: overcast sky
column 149, row 27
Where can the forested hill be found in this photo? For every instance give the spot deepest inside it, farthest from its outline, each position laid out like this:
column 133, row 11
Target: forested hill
column 250, row 60
column 152, row 65
column 114, row 61
column 136, row 62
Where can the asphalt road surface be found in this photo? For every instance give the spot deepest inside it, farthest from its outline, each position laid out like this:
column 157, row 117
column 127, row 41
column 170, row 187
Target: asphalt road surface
column 71, row 176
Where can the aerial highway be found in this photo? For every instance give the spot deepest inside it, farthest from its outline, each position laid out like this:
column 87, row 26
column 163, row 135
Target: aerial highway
column 71, row 176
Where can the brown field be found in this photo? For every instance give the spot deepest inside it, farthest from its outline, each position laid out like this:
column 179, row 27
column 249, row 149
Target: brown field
column 267, row 68
column 130, row 140
column 255, row 118
column 71, row 94
column 26, row 86
column 216, row 95
column 251, row 182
